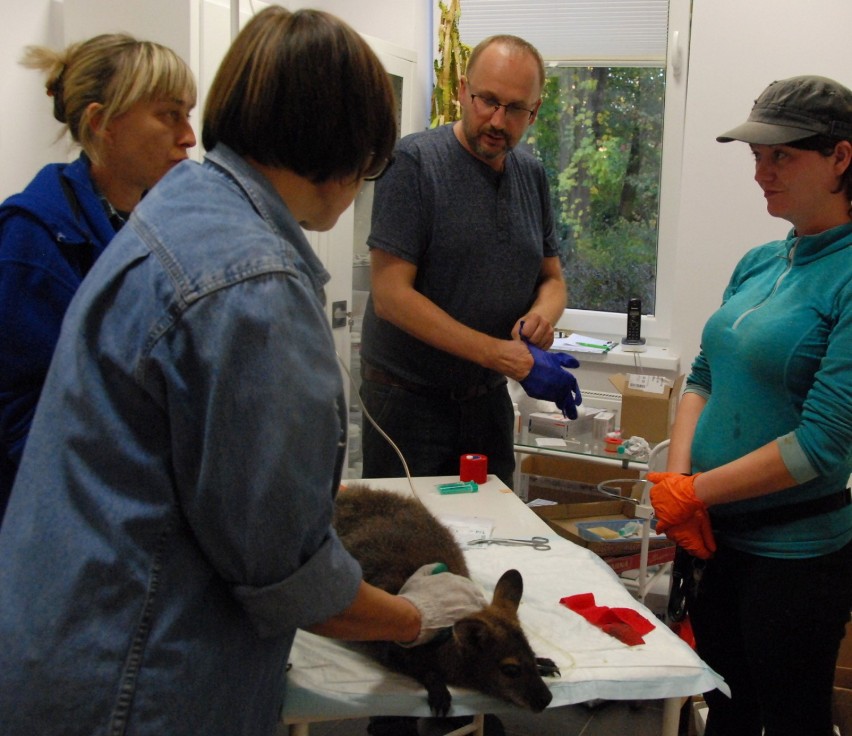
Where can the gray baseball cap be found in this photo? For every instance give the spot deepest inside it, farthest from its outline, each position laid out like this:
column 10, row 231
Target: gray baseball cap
column 796, row 108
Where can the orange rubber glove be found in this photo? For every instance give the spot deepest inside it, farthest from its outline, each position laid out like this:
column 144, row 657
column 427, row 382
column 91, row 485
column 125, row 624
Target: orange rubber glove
column 681, row 515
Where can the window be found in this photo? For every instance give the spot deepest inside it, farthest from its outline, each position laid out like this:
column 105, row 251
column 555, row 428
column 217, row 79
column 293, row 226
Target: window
column 609, row 135
column 599, row 135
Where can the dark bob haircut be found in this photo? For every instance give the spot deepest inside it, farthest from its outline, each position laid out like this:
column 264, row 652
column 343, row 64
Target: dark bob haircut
column 303, row 91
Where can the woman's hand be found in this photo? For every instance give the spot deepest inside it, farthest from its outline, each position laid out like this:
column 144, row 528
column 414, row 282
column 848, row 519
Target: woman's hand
column 681, row 515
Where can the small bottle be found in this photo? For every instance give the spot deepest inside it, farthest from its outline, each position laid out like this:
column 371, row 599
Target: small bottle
column 517, row 429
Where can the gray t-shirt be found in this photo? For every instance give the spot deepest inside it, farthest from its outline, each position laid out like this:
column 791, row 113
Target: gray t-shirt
column 477, row 238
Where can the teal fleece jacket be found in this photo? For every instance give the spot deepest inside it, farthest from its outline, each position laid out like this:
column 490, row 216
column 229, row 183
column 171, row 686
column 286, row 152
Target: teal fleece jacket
column 776, row 364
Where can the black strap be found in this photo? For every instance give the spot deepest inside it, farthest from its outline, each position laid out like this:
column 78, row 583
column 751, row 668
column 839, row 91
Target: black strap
column 782, row 514
column 70, row 195
column 80, row 258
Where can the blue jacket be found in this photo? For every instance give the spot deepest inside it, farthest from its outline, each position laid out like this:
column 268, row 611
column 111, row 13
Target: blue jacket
column 46, row 248
column 169, row 528
column 776, row 364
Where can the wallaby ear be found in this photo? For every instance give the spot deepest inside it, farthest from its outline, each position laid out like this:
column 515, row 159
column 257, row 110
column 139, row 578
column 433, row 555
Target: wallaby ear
column 471, row 633
column 510, row 588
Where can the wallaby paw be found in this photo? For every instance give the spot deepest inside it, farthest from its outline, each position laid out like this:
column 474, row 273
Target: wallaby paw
column 547, row 667
column 440, row 701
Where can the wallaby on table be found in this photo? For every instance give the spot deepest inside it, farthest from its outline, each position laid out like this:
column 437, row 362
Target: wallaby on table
column 392, row 536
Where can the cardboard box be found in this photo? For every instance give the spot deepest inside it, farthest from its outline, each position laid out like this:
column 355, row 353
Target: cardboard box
column 842, row 710
column 572, row 483
column 572, row 479
column 577, row 522
column 555, row 424
column 844, row 656
column 656, row 556
column 647, row 412
column 842, row 696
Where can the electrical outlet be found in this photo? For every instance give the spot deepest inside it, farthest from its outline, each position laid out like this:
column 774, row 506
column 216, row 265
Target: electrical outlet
column 339, row 315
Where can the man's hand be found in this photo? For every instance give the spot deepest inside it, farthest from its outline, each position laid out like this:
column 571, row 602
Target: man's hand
column 681, row 515
column 441, row 598
column 550, row 380
column 534, row 329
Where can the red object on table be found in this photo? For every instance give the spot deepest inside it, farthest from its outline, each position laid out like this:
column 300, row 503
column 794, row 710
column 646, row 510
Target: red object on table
column 473, row 467
column 624, row 624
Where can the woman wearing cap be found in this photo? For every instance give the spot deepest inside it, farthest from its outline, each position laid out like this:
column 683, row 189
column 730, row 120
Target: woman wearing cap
column 760, row 454
column 126, row 103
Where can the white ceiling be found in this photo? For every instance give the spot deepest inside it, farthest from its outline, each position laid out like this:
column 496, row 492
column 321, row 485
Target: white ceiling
column 600, row 30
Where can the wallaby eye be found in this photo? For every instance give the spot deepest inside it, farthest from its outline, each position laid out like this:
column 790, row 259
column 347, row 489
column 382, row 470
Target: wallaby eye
column 510, row 670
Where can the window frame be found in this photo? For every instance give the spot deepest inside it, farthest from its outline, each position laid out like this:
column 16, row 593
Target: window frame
column 655, row 327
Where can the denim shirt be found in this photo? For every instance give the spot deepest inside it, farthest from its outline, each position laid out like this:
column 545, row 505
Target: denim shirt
column 169, row 528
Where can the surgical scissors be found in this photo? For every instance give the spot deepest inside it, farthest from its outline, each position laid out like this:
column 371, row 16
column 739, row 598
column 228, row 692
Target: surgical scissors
column 538, row 543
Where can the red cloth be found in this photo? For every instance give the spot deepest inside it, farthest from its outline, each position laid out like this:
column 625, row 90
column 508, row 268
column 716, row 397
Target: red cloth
column 624, row 624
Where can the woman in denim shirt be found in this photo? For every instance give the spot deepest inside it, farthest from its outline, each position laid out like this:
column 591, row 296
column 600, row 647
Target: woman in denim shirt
column 170, row 528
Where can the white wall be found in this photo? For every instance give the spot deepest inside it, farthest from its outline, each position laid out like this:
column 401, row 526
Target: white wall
column 27, row 129
column 405, row 23
column 737, row 49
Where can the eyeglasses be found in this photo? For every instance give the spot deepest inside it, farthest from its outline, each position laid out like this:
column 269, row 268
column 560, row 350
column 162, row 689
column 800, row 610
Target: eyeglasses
column 383, row 166
column 488, row 106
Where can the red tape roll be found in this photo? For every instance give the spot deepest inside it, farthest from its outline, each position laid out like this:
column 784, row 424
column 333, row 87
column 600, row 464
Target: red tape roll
column 473, row 467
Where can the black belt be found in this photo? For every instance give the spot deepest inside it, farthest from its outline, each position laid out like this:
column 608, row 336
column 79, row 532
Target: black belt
column 782, row 514
column 376, row 375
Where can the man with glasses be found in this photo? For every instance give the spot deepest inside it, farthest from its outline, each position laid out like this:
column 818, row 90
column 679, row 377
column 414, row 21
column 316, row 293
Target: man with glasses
column 464, row 265
column 464, row 271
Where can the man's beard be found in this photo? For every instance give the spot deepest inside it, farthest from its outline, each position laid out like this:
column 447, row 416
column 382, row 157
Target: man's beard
column 487, row 153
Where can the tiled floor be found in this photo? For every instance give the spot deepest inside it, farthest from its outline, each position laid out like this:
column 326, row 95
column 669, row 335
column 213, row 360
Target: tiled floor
column 609, row 718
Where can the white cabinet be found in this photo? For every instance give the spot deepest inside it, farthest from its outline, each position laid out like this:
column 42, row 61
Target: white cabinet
column 350, row 274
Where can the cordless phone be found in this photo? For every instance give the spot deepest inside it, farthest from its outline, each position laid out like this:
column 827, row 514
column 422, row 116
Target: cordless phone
column 634, row 340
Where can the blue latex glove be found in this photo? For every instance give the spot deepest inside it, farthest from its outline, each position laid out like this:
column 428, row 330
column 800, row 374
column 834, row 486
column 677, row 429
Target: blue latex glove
column 550, row 380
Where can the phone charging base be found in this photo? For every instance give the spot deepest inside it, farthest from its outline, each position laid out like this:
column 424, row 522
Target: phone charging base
column 633, row 346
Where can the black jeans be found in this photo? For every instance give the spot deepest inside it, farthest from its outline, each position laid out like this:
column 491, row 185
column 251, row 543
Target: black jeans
column 434, row 432
column 772, row 628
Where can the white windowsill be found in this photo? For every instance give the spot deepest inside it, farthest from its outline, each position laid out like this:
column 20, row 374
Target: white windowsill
column 653, row 357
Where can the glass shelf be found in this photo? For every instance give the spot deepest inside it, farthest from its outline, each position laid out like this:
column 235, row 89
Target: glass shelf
column 582, row 445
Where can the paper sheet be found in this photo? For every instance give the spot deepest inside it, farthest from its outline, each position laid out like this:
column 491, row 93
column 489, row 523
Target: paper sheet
column 465, row 529
column 576, row 343
column 648, row 384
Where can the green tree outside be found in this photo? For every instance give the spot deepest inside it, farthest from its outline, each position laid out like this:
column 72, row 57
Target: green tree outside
column 599, row 135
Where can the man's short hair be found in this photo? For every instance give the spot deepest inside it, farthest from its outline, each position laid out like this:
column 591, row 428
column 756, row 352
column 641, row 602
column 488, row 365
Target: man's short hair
column 516, row 43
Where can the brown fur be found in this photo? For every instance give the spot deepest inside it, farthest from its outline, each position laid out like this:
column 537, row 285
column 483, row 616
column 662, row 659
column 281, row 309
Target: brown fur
column 392, row 536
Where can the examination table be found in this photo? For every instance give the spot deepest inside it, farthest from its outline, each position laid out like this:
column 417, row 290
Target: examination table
column 330, row 681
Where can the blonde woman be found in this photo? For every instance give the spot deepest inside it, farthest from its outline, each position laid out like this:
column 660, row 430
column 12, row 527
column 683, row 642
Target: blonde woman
column 126, row 103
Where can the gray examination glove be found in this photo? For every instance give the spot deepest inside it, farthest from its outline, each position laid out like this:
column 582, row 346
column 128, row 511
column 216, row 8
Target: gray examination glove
column 442, row 599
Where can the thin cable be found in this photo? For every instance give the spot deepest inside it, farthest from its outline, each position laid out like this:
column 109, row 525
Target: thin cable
column 600, row 487
column 378, row 428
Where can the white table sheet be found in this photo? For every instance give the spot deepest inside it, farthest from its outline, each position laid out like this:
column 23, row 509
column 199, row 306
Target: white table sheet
column 329, row 680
